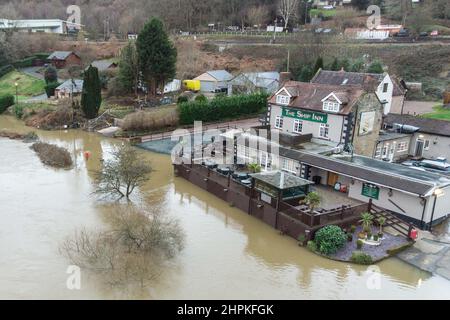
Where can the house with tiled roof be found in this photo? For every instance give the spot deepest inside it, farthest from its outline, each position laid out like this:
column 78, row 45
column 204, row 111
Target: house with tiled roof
column 62, row 59
column 381, row 84
column 346, row 116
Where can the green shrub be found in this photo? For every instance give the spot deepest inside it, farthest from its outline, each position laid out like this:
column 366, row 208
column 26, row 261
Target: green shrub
column 18, row 111
column 301, row 239
column 50, row 88
column 221, row 108
column 359, row 244
column 353, row 229
column 5, row 102
column 182, row 99
column 330, row 239
column 5, row 70
column 375, row 237
column 361, row 258
column 311, row 245
column 24, row 63
column 349, row 237
column 201, row 98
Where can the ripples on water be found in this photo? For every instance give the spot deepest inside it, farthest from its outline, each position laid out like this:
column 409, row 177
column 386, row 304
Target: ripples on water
column 227, row 254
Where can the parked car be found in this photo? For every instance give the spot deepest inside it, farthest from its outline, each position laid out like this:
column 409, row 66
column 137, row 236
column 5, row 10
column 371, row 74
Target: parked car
column 437, row 166
column 423, row 34
column 329, row 7
column 402, row 33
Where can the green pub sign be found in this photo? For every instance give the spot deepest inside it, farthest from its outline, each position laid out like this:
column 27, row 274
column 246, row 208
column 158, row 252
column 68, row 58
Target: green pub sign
column 371, row 191
column 305, row 115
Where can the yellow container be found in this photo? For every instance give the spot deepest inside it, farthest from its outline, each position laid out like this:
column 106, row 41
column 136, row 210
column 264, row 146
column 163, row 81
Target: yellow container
column 192, row 85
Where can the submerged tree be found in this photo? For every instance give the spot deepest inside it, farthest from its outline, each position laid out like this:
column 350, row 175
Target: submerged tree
column 134, row 249
column 122, row 174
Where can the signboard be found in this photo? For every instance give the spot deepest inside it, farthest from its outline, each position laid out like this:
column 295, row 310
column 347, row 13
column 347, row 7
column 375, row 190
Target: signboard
column 367, row 123
column 371, row 191
column 305, row 115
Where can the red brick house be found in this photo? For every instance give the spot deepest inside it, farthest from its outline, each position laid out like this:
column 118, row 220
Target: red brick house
column 62, row 59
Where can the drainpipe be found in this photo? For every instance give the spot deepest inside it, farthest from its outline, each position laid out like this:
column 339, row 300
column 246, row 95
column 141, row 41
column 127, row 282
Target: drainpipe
column 432, row 212
column 423, row 213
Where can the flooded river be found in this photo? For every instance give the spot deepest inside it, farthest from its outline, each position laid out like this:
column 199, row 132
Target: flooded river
column 227, row 254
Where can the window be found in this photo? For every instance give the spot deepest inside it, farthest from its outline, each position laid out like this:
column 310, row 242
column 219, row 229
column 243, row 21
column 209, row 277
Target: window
column 324, row 130
column 279, row 122
column 289, row 165
column 281, row 99
column 402, row 146
column 427, row 145
column 385, row 87
column 378, row 152
column 298, row 126
column 331, row 106
column 385, row 151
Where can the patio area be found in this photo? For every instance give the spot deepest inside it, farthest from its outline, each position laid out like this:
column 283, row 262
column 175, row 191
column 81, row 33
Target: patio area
column 332, row 199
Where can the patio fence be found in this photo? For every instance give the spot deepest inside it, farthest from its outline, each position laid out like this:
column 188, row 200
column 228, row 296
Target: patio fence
column 286, row 218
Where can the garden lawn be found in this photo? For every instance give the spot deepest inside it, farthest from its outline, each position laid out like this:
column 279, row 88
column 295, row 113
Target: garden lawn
column 323, row 12
column 28, row 86
column 439, row 113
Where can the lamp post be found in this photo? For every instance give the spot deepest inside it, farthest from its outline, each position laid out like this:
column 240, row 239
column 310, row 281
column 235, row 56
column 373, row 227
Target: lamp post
column 17, row 92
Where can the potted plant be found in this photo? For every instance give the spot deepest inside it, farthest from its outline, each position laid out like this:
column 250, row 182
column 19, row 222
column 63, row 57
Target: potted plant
column 353, row 229
column 367, row 222
column 375, row 238
column 381, row 222
column 359, row 244
column 312, row 200
column 254, row 167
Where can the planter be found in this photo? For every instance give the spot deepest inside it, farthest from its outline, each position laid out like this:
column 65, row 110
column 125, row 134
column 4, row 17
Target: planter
column 362, row 235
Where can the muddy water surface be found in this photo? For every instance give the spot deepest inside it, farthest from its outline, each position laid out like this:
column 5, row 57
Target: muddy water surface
column 227, row 253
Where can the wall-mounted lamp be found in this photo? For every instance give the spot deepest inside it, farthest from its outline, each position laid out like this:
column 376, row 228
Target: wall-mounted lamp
column 390, row 193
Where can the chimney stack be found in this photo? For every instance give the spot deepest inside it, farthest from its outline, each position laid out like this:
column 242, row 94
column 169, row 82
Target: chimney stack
column 285, row 76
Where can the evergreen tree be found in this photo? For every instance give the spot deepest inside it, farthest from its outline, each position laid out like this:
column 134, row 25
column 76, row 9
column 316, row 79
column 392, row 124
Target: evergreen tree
column 361, row 4
column 306, row 74
column 345, row 64
column 375, row 67
column 128, row 68
column 91, row 97
column 334, row 65
column 51, row 75
column 157, row 55
column 318, row 65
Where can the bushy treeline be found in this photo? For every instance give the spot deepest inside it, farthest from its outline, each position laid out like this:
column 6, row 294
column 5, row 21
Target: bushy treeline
column 5, row 102
column 221, row 108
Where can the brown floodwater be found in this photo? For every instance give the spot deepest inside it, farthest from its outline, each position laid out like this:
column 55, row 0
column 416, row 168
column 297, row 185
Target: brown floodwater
column 227, row 255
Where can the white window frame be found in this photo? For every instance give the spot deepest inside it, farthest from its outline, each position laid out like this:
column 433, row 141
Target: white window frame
column 279, row 121
column 426, row 144
column 331, row 106
column 378, row 151
column 283, row 99
column 402, row 146
column 288, row 165
column 324, row 130
column 298, row 126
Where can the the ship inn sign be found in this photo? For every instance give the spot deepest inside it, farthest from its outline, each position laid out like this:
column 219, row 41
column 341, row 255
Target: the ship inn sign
column 305, row 115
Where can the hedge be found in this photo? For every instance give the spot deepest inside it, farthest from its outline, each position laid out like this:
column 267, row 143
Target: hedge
column 24, row 63
column 221, row 108
column 5, row 102
column 5, row 70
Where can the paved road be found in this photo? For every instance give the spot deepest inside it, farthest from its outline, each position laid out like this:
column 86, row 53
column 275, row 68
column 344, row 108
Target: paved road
column 33, row 72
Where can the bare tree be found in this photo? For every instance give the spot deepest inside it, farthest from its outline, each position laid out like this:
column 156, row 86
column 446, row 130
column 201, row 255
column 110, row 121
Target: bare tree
column 122, row 174
column 257, row 15
column 135, row 248
column 287, row 10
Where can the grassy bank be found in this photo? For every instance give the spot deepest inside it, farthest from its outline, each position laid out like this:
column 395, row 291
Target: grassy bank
column 439, row 113
column 27, row 85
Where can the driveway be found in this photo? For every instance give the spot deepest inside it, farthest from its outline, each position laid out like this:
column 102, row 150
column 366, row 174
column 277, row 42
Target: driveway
column 419, row 107
column 33, row 72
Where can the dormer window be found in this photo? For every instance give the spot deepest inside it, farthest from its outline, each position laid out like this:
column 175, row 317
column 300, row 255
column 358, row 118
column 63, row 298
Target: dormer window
column 331, row 106
column 282, row 99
